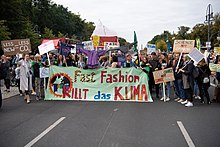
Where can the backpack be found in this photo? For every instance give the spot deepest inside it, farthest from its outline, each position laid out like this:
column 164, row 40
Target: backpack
column 195, row 72
column 3, row 72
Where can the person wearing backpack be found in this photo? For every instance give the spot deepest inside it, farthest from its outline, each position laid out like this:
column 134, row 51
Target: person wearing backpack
column 204, row 80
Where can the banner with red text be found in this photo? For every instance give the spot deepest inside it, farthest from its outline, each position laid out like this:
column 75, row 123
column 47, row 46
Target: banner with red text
column 112, row 84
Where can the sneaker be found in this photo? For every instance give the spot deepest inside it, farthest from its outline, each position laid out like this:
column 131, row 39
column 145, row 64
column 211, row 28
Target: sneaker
column 162, row 99
column 198, row 97
column 181, row 100
column 189, row 104
column 177, row 99
column 21, row 94
column 184, row 102
column 37, row 98
column 167, row 99
column 33, row 93
column 202, row 102
column 208, row 102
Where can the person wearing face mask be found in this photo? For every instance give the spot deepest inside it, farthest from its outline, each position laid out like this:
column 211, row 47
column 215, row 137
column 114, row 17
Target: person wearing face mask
column 25, row 77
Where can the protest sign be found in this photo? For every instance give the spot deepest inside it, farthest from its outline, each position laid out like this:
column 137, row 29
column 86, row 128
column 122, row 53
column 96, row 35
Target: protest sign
column 12, row 47
column 214, row 67
column 151, row 48
column 183, row 46
column 46, row 47
column 163, row 76
column 112, row 84
column 88, row 45
column 196, row 55
column 44, row 72
column 217, row 51
column 95, row 40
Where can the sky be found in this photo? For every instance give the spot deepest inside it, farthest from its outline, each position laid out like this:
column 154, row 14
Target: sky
column 147, row 17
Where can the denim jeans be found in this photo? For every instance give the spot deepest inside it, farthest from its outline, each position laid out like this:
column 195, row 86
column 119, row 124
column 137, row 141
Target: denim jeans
column 179, row 88
column 167, row 87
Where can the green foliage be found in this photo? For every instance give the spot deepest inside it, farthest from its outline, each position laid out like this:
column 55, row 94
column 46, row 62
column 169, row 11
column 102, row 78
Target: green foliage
column 4, row 33
column 48, row 33
column 162, row 45
column 122, row 41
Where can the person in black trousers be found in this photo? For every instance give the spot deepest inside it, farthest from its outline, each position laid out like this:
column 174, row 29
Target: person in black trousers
column 204, row 81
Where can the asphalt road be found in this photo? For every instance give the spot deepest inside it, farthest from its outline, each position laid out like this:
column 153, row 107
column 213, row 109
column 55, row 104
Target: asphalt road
column 107, row 124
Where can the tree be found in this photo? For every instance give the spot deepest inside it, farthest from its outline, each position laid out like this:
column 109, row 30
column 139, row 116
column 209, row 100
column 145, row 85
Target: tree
column 183, row 32
column 61, row 35
column 161, row 44
column 48, row 33
column 4, row 31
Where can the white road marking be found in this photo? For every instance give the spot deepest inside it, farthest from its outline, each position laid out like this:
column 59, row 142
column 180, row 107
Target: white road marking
column 44, row 132
column 185, row 134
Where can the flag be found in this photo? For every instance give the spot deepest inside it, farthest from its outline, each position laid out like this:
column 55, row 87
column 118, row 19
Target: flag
column 135, row 42
column 198, row 44
column 65, row 49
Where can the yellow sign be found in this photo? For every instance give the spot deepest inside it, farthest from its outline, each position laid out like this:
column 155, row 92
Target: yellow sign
column 95, row 40
column 217, row 50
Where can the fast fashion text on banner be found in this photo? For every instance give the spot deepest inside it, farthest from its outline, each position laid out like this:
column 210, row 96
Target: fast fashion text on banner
column 163, row 76
column 183, row 46
column 128, row 84
column 12, row 47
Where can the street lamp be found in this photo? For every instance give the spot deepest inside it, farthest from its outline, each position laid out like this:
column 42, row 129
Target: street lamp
column 209, row 19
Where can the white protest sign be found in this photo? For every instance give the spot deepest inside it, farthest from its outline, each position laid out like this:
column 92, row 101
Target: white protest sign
column 44, row 72
column 151, row 48
column 196, row 55
column 73, row 49
column 46, row 47
column 88, row 45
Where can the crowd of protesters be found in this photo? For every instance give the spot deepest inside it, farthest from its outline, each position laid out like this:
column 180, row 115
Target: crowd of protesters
column 192, row 80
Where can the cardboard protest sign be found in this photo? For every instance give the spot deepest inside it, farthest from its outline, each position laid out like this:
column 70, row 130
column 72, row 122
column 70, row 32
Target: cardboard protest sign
column 183, row 46
column 46, row 47
column 44, row 72
column 214, row 67
column 163, row 76
column 123, row 84
column 151, row 48
column 217, row 51
column 12, row 47
column 196, row 55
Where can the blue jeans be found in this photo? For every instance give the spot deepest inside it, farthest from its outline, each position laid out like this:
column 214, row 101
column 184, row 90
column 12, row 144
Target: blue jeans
column 179, row 88
column 167, row 87
column 195, row 88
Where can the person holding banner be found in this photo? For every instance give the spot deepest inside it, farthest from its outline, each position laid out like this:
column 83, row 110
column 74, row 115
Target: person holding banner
column 204, row 80
column 155, row 64
column 178, row 83
column 61, row 61
column 217, row 89
column 165, row 64
column 36, row 73
column 188, row 81
column 129, row 62
column 26, row 77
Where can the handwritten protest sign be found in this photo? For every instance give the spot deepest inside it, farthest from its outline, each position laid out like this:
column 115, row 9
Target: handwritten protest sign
column 44, row 72
column 214, row 67
column 71, row 83
column 46, row 47
column 88, row 45
column 217, row 51
column 12, row 47
column 184, row 46
column 163, row 76
column 196, row 55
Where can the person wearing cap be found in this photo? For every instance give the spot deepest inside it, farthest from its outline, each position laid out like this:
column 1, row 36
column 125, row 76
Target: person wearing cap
column 36, row 72
column 155, row 64
column 129, row 62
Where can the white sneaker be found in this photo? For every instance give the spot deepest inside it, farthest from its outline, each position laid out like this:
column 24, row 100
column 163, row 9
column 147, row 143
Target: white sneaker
column 189, row 104
column 198, row 97
column 167, row 99
column 181, row 100
column 184, row 102
column 162, row 99
column 33, row 93
column 177, row 99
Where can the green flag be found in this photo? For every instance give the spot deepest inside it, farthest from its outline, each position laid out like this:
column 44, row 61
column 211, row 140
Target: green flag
column 198, row 44
column 135, row 42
